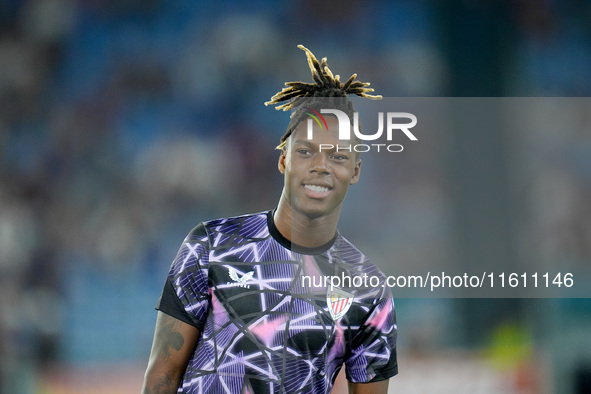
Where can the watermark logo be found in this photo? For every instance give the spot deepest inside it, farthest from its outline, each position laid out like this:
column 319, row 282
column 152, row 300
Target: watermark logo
column 315, row 115
column 393, row 125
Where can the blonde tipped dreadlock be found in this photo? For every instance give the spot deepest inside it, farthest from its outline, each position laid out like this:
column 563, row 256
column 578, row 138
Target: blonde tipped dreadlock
column 325, row 85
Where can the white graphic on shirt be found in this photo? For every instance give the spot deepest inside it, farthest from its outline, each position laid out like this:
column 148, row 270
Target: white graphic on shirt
column 239, row 280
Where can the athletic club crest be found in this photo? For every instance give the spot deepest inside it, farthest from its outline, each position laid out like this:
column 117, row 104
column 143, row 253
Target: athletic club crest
column 338, row 301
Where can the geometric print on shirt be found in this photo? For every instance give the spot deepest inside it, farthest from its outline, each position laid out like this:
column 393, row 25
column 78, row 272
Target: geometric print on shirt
column 263, row 329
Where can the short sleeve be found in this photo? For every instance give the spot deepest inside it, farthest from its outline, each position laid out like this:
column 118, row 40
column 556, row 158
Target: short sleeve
column 186, row 293
column 373, row 350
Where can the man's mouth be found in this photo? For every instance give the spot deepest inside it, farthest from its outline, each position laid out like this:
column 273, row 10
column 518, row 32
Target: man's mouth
column 317, row 191
column 317, row 188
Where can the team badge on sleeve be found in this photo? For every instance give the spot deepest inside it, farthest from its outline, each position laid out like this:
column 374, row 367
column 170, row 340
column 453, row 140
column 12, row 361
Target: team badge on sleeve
column 339, row 302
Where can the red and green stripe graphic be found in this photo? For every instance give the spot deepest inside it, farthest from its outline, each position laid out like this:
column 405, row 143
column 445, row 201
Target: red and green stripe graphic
column 315, row 115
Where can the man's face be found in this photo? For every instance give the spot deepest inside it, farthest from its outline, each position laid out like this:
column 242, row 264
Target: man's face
column 316, row 177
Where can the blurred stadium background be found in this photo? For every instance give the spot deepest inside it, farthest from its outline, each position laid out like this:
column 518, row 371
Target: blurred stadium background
column 125, row 123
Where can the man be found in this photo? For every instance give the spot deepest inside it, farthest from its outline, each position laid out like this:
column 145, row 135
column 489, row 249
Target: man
column 237, row 314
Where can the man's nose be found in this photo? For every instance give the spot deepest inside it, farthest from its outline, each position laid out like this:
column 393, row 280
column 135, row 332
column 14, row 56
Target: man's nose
column 320, row 164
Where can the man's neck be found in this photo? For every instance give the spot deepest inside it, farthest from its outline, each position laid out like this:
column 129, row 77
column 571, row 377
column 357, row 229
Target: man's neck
column 302, row 230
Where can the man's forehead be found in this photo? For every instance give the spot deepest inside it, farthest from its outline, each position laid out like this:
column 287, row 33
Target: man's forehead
column 315, row 144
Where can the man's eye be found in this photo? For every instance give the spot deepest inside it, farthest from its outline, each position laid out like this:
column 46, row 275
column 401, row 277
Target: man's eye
column 304, row 151
column 339, row 157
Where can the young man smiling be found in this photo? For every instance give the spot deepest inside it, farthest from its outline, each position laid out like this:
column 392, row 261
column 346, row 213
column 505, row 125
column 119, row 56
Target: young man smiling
column 315, row 184
column 235, row 315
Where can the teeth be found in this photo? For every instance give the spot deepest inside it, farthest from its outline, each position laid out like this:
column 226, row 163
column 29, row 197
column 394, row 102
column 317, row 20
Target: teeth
column 316, row 189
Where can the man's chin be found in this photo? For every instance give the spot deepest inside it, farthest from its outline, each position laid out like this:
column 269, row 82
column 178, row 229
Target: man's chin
column 316, row 212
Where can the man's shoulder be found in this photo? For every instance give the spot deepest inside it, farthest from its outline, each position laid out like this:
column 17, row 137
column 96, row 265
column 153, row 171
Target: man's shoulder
column 241, row 220
column 348, row 251
column 250, row 225
column 355, row 258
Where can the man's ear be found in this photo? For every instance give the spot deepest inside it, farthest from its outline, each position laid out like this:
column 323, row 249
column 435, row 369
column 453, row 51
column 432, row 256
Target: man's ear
column 356, row 174
column 281, row 163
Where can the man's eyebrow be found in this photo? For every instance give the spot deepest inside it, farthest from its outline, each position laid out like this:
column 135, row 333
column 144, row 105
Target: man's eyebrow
column 305, row 142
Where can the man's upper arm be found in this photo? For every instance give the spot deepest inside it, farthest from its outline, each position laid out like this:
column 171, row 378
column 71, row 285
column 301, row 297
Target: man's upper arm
column 380, row 387
column 174, row 343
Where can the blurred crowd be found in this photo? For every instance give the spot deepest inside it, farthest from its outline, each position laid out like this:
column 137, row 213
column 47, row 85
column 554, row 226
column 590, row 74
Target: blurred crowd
column 124, row 124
